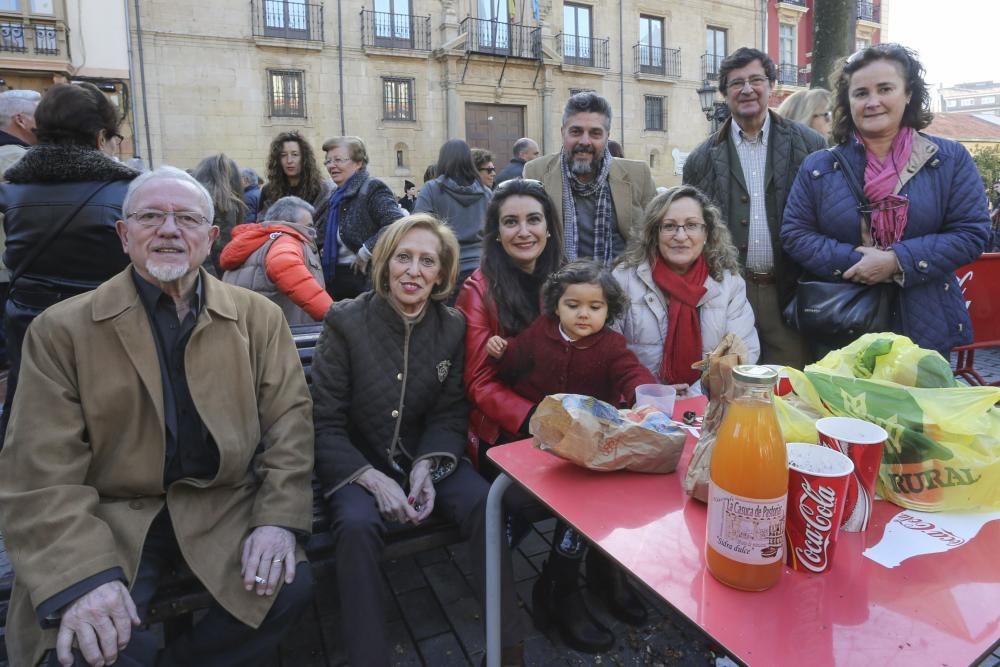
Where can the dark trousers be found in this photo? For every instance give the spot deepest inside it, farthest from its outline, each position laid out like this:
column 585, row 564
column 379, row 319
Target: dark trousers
column 359, row 532
column 218, row 639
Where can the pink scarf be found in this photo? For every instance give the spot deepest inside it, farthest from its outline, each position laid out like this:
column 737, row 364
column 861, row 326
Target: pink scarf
column 889, row 210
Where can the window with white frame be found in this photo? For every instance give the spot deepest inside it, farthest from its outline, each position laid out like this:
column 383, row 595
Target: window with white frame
column 968, row 102
column 862, row 43
column 651, row 43
column 577, row 45
column 991, row 99
column 287, row 93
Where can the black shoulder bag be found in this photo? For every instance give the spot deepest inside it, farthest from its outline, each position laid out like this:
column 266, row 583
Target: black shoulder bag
column 835, row 313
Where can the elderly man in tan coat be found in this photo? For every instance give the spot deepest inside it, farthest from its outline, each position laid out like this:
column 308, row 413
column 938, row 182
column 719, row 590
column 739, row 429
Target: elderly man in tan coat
column 162, row 418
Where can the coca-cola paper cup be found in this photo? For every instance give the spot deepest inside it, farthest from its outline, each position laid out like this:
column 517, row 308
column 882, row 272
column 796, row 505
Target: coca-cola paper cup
column 863, row 443
column 818, row 480
column 783, row 385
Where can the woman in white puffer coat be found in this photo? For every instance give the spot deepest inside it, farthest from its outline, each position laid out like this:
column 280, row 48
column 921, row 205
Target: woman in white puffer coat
column 684, row 287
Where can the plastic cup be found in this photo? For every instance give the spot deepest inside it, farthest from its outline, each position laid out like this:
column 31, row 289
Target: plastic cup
column 818, row 480
column 862, row 442
column 660, row 396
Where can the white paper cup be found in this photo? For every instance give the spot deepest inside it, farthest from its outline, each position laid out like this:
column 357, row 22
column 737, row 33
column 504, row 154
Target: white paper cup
column 660, row 396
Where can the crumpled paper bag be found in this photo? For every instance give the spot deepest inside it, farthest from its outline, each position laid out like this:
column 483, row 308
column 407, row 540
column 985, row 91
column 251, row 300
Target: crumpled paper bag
column 596, row 435
column 717, row 383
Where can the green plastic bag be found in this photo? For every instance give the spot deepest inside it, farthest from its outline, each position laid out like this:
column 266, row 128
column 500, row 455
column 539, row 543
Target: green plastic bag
column 943, row 452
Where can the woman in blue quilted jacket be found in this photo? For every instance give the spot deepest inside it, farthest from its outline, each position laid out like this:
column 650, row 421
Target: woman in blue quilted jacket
column 925, row 215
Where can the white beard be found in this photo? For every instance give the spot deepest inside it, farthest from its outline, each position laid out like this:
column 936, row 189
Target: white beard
column 166, row 273
column 580, row 168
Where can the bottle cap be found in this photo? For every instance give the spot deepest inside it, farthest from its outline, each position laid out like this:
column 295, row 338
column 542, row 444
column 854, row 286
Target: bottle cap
column 755, row 374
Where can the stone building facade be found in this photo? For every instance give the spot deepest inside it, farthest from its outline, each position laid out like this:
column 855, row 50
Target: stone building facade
column 406, row 75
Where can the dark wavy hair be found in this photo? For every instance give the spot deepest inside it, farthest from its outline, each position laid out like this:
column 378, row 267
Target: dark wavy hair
column 584, row 272
column 455, row 162
column 515, row 309
column 310, row 180
column 918, row 111
column 74, row 114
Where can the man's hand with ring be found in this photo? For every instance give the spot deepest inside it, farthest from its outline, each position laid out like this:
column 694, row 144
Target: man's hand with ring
column 101, row 622
column 266, row 551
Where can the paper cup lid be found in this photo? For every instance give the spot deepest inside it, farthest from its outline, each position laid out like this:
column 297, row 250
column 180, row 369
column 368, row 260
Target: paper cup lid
column 755, row 374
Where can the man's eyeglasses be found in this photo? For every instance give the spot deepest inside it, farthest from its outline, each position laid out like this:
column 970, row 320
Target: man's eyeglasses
column 150, row 217
column 754, row 81
column 488, row 170
column 339, row 161
column 692, row 228
column 523, row 184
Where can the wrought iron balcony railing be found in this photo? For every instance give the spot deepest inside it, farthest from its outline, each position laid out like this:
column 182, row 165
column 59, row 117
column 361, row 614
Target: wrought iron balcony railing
column 797, row 3
column 395, row 31
column 790, row 74
column 287, row 19
column 584, row 51
column 501, row 38
column 656, row 60
column 16, row 37
column 869, row 11
column 710, row 66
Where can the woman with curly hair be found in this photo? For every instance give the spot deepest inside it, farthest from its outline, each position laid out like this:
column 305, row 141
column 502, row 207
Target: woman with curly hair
column 684, row 287
column 292, row 170
column 221, row 177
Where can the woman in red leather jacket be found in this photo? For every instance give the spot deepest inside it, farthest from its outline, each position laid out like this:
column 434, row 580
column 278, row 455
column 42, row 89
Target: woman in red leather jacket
column 522, row 246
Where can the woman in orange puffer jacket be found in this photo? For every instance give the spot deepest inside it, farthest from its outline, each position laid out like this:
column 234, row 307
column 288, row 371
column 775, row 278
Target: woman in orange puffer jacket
column 278, row 258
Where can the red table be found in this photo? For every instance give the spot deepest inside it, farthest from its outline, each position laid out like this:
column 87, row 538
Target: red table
column 936, row 609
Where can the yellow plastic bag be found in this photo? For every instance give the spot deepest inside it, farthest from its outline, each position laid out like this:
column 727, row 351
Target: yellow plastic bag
column 943, row 452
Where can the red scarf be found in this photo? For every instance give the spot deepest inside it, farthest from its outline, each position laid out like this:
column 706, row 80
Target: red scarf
column 682, row 346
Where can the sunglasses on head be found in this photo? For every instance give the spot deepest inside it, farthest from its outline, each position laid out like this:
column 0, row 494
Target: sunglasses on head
column 526, row 184
column 885, row 49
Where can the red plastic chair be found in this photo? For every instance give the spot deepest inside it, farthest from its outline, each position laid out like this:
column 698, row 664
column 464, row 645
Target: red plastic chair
column 980, row 282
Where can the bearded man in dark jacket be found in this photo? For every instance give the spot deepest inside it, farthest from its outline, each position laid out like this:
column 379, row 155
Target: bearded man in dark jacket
column 747, row 168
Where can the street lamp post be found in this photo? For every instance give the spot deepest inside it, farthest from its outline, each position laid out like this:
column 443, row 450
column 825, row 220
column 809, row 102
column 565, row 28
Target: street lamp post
column 706, row 96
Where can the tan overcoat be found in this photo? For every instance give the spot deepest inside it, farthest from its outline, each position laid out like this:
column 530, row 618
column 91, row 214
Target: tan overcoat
column 81, row 475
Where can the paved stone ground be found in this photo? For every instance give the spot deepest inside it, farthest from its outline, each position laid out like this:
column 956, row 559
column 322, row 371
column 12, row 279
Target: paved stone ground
column 434, row 619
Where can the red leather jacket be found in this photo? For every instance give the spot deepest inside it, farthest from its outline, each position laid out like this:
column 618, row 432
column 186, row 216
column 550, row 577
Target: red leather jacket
column 496, row 409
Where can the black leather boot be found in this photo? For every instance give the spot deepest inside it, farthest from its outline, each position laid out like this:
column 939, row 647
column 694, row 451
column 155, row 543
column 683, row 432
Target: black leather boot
column 608, row 581
column 557, row 601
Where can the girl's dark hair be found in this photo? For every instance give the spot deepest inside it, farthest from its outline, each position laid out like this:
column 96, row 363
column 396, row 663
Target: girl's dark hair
column 455, row 162
column 584, row 272
column 74, row 114
column 515, row 309
column 310, row 178
column 917, row 113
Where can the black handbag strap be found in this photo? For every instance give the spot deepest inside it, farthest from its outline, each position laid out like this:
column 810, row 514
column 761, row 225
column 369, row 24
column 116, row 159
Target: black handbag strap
column 54, row 231
column 864, row 206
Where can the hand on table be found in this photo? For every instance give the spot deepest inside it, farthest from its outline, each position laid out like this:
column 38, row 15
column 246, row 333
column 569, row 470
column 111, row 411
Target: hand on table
column 389, row 496
column 266, row 551
column 422, row 489
column 496, row 346
column 101, row 622
column 875, row 266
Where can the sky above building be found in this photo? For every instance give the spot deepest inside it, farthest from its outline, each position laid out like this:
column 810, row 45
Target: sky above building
column 956, row 41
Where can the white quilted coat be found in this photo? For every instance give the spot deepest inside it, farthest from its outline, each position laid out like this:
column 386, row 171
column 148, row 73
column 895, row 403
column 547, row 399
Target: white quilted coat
column 724, row 309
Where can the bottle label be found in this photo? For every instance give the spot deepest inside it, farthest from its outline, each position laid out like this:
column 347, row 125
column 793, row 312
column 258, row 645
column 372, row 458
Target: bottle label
column 746, row 530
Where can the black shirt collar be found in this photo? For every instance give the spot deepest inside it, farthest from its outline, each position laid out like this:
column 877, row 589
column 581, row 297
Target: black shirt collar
column 151, row 295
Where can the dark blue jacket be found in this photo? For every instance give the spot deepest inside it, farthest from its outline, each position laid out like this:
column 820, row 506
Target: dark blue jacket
column 251, row 197
column 948, row 226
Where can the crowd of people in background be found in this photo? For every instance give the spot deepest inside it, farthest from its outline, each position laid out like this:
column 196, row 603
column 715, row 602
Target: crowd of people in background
column 569, row 273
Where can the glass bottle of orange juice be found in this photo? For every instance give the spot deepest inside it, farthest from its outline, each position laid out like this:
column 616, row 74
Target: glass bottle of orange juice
column 748, row 487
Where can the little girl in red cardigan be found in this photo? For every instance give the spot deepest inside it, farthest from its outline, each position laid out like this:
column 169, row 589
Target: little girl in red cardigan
column 568, row 349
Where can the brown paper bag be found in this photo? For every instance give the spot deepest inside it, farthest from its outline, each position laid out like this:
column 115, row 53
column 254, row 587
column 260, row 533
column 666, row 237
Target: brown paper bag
column 596, row 435
column 717, row 382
